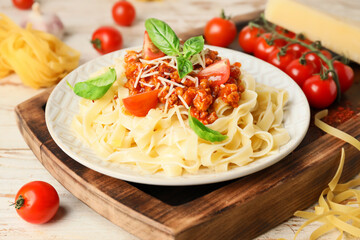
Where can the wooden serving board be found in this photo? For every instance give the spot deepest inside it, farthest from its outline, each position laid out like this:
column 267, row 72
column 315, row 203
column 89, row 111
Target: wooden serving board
column 240, row 209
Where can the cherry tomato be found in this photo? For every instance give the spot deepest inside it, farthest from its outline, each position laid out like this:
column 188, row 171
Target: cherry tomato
column 326, row 53
column 297, row 49
column 220, row 32
column 217, row 73
column 37, row 202
column 263, row 49
column 345, row 75
column 107, row 39
column 123, row 13
column 315, row 59
column 307, row 41
column 150, row 51
column 320, row 93
column 140, row 104
column 280, row 61
column 23, row 4
column 319, row 63
column 285, row 32
column 247, row 38
column 300, row 72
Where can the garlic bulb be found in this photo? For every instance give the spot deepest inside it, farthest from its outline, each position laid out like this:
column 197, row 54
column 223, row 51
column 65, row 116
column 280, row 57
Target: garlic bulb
column 50, row 23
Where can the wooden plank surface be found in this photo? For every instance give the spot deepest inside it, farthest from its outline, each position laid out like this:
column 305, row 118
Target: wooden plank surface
column 18, row 164
column 268, row 197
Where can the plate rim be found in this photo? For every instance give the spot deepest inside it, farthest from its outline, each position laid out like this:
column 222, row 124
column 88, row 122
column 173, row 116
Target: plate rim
column 183, row 180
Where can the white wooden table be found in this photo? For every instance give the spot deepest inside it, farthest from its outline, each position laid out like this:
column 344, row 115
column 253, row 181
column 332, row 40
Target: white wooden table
column 18, row 165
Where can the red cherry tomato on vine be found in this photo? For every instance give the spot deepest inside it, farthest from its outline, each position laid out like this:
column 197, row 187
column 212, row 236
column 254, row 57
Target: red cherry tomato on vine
column 107, row 39
column 23, row 4
column 326, row 53
column 140, row 104
column 313, row 57
column 345, row 75
column 285, row 32
column 37, row 202
column 220, row 31
column 123, row 13
column 300, row 72
column 320, row 93
column 307, row 41
column 297, row 49
column 280, row 61
column 247, row 38
column 263, row 49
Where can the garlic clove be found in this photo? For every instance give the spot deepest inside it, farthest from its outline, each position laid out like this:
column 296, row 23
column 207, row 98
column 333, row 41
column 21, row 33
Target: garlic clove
column 46, row 22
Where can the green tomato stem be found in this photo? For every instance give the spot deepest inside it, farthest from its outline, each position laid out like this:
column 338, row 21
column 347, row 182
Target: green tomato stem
column 97, row 43
column 19, row 202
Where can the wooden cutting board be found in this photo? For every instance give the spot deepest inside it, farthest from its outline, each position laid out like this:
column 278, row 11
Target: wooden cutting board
column 240, row 209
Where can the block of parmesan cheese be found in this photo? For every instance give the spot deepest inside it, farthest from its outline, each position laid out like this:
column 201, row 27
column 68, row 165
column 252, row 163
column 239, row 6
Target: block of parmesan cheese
column 336, row 23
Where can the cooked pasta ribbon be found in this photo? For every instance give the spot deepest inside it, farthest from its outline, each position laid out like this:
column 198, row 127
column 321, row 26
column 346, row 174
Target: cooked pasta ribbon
column 164, row 142
column 338, row 206
column 38, row 58
column 334, row 131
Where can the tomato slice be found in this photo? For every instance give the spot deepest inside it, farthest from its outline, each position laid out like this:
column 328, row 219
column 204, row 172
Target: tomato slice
column 140, row 104
column 217, row 73
column 150, row 51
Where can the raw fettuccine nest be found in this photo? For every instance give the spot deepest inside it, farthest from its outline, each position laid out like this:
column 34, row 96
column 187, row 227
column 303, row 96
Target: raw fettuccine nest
column 40, row 59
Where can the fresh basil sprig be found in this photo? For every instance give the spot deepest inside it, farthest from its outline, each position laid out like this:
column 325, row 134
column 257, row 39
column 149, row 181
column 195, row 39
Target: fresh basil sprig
column 166, row 40
column 163, row 36
column 184, row 66
column 204, row 132
column 193, row 46
column 96, row 87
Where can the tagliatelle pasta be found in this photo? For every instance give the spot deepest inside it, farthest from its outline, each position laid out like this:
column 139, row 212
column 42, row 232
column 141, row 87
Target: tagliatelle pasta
column 334, row 131
column 40, row 59
column 162, row 141
column 338, row 206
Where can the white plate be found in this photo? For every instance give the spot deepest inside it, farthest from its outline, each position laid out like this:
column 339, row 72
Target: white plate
column 62, row 105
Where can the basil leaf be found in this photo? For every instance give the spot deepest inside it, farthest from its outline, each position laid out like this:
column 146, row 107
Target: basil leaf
column 184, row 66
column 193, row 46
column 96, row 87
column 163, row 36
column 204, row 132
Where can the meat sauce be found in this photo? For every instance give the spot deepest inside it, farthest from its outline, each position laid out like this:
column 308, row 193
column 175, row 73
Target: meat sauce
column 197, row 93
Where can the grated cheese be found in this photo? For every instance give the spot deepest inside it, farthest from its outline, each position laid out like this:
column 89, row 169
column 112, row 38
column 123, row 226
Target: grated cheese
column 195, row 80
column 146, row 84
column 181, row 120
column 138, row 78
column 171, row 90
column 183, row 101
column 184, row 79
column 149, row 74
column 157, row 85
column 171, row 64
column 148, row 70
column 162, row 89
column 201, row 61
column 203, row 58
column 157, row 60
column 170, row 82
